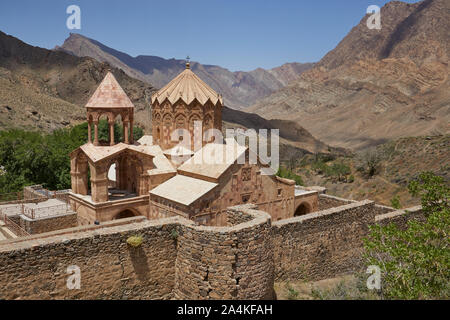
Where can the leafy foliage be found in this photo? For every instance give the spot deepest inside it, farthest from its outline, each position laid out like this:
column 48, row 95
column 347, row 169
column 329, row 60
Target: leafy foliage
column 395, row 202
column 34, row 158
column 415, row 262
column 288, row 174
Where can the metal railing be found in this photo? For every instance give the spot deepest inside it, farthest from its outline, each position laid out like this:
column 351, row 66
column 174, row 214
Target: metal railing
column 12, row 196
column 13, row 227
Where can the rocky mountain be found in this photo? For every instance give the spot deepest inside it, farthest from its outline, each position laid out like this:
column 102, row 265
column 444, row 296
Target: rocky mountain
column 44, row 90
column 376, row 85
column 240, row 89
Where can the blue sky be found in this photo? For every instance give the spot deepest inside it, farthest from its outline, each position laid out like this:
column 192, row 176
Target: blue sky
column 235, row 34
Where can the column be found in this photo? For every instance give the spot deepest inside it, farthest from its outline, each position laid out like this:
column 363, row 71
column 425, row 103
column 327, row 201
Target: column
column 95, row 133
column 89, row 132
column 131, row 132
column 111, row 133
column 125, row 132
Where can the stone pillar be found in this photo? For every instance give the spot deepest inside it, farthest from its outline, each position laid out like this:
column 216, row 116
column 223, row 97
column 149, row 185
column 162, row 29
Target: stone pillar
column 131, row 131
column 89, row 132
column 125, row 132
column 96, row 133
column 111, row 133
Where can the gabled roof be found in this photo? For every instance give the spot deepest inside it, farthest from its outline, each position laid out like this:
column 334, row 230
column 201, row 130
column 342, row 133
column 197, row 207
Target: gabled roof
column 99, row 153
column 183, row 189
column 213, row 159
column 109, row 94
column 187, row 86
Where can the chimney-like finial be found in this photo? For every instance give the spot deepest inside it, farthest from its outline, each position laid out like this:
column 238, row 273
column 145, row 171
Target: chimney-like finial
column 188, row 62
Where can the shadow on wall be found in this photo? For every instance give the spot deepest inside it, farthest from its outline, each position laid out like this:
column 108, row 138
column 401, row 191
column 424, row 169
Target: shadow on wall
column 138, row 258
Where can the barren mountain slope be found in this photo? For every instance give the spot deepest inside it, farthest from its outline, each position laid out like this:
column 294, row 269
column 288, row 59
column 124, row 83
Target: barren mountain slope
column 44, row 90
column 376, row 85
column 240, row 89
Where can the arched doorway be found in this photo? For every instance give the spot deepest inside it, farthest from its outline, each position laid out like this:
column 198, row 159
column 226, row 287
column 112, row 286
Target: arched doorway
column 124, row 214
column 302, row 209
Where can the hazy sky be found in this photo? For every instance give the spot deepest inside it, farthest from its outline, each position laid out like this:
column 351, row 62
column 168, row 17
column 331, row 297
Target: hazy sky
column 235, row 34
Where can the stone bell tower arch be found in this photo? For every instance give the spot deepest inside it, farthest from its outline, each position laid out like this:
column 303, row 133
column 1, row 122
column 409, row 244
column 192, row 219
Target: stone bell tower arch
column 109, row 99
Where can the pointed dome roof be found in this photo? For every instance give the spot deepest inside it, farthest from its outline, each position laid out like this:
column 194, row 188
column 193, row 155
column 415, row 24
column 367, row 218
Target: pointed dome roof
column 187, row 86
column 109, row 94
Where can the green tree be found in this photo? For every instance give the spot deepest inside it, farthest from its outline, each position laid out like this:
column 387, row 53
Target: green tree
column 33, row 158
column 415, row 261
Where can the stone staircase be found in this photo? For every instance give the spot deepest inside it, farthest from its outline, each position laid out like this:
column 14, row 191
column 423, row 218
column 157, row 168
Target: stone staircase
column 5, row 233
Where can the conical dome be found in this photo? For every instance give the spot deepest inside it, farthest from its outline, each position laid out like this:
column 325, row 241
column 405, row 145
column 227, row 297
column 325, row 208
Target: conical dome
column 109, row 94
column 187, row 86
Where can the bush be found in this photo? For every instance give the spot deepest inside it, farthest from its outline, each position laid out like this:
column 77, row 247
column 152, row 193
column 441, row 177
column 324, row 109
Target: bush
column 339, row 170
column 135, row 241
column 395, row 202
column 288, row 174
column 369, row 162
column 415, row 262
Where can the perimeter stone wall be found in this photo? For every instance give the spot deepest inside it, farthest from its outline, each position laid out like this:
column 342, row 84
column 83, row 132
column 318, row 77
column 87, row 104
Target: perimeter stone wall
column 226, row 262
column 323, row 244
column 176, row 259
column 180, row 259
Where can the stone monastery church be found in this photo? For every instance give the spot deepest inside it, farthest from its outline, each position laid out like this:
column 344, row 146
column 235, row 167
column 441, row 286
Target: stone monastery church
column 157, row 219
column 168, row 173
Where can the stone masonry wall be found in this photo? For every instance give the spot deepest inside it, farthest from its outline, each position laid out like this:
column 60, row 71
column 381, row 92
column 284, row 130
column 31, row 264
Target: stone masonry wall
column 47, row 224
column 323, row 244
column 327, row 202
column 176, row 259
column 179, row 259
column 226, row 262
column 110, row 268
column 401, row 217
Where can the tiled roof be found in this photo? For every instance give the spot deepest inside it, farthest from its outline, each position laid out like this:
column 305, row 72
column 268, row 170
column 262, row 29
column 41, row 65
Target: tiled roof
column 213, row 159
column 109, row 94
column 98, row 153
column 183, row 189
column 187, row 86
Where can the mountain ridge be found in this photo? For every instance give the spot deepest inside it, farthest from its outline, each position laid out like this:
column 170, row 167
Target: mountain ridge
column 376, row 85
column 46, row 90
column 239, row 88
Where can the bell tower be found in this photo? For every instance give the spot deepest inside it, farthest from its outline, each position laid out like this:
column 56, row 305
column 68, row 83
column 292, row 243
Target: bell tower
column 109, row 99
